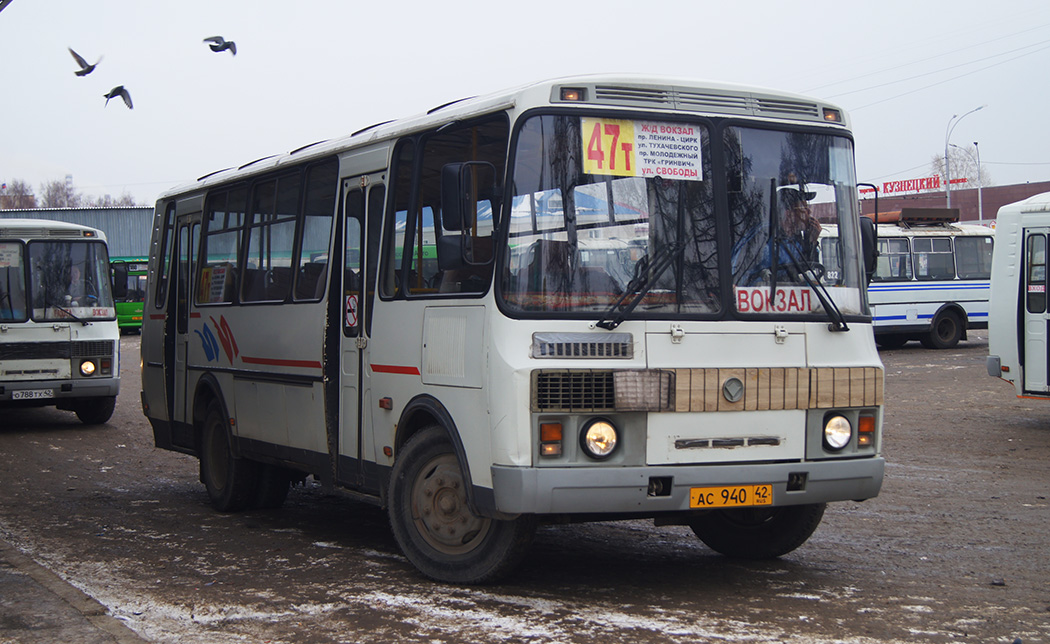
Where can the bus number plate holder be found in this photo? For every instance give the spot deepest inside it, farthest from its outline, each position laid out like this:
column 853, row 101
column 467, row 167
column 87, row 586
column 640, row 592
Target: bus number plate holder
column 731, row 496
column 32, row 394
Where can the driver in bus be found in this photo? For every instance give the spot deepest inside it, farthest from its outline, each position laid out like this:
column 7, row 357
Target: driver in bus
column 799, row 228
column 78, row 289
column 796, row 241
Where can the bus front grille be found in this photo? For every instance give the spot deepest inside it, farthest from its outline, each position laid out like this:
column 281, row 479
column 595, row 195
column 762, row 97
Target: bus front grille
column 34, row 350
column 573, row 391
column 93, row 349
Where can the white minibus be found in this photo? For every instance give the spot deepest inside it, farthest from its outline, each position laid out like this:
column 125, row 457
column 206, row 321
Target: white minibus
column 584, row 299
column 59, row 341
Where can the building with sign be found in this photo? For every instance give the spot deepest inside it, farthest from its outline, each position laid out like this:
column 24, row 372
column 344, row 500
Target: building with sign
column 965, row 199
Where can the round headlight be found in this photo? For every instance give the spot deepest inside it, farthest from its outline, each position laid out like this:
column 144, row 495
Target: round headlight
column 87, row 368
column 599, row 439
column 837, row 432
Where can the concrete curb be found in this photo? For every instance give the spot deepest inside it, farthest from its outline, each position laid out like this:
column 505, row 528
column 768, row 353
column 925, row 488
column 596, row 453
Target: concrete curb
column 94, row 612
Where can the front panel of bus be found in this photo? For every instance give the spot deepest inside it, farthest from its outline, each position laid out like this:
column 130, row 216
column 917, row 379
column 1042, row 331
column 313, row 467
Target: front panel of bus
column 57, row 335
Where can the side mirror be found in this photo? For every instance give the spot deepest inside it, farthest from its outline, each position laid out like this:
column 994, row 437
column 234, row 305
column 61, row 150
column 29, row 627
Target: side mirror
column 119, row 279
column 468, row 212
column 869, row 246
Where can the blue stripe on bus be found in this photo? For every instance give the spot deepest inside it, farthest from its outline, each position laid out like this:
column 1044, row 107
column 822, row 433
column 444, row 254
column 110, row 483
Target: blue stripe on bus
column 923, row 287
column 885, row 318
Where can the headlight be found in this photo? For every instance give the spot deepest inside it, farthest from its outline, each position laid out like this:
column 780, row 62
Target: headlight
column 837, row 432
column 87, row 368
column 599, row 439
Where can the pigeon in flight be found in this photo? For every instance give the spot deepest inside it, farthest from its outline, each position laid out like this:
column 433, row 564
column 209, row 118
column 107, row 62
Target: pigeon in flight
column 121, row 92
column 85, row 69
column 218, row 43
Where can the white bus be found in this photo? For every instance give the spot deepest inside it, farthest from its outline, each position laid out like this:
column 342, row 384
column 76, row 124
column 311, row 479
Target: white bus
column 59, row 342
column 577, row 300
column 1019, row 326
column 932, row 279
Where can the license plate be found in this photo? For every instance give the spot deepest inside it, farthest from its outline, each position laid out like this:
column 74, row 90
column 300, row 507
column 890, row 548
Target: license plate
column 32, row 394
column 732, row 496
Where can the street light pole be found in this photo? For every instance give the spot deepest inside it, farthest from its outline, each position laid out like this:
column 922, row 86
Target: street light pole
column 947, row 136
column 980, row 183
column 980, row 213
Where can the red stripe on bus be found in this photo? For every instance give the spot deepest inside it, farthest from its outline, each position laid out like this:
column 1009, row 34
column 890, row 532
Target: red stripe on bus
column 195, row 315
column 277, row 362
column 157, row 316
column 389, row 368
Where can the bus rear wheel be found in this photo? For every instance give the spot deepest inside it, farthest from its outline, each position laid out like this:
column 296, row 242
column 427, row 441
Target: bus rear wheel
column 230, row 481
column 434, row 524
column 758, row 533
column 945, row 333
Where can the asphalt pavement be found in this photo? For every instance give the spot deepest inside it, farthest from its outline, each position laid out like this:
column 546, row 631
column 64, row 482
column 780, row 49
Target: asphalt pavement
column 37, row 606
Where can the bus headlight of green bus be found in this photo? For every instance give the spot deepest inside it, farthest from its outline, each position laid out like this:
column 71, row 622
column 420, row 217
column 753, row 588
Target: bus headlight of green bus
column 599, row 439
column 837, row 433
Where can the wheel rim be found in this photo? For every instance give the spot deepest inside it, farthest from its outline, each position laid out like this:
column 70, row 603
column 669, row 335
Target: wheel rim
column 440, row 511
column 946, row 328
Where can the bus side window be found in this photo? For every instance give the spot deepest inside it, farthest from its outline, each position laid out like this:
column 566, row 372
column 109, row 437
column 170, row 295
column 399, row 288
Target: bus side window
column 1035, row 261
column 318, row 208
column 973, row 256
column 894, row 261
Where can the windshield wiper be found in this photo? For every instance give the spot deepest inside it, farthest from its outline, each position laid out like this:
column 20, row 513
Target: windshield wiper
column 838, row 321
column 72, row 315
column 646, row 272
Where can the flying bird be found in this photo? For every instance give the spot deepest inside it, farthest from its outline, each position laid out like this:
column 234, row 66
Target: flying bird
column 85, row 69
column 121, row 92
column 218, row 43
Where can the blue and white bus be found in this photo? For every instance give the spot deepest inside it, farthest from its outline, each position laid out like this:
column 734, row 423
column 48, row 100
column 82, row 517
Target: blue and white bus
column 932, row 279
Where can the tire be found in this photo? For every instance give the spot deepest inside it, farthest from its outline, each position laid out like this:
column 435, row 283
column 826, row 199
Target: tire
column 231, row 482
column 95, row 411
column 434, row 525
column 891, row 340
column 272, row 487
column 758, row 533
column 945, row 333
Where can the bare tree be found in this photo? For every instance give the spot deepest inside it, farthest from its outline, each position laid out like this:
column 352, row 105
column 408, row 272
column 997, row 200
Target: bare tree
column 17, row 195
column 59, row 194
column 107, row 201
column 962, row 163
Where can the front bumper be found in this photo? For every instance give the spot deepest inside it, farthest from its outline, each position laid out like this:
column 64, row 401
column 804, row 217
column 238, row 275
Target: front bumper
column 63, row 389
column 550, row 490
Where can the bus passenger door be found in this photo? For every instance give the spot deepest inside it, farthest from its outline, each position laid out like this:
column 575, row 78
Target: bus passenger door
column 1036, row 320
column 362, row 210
column 186, row 240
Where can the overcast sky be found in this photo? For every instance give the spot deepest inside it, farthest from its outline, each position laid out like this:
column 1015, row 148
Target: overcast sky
column 312, row 70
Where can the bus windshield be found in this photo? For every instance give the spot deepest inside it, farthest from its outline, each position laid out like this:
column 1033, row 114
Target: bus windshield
column 69, row 280
column 608, row 211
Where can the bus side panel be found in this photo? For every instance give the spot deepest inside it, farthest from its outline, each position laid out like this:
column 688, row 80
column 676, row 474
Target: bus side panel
column 270, row 374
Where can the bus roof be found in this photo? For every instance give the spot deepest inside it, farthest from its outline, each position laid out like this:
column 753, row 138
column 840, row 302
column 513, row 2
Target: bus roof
column 622, row 91
column 43, row 228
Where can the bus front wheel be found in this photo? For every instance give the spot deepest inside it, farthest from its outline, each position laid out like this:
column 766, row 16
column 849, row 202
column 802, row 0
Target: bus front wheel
column 758, row 533
column 434, row 525
column 95, row 411
column 230, row 481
